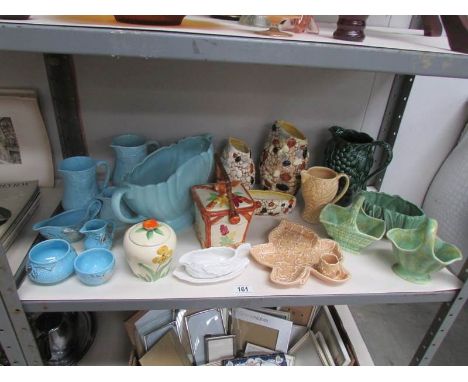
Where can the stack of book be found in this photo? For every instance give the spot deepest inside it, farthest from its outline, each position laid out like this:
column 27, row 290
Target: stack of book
column 18, row 201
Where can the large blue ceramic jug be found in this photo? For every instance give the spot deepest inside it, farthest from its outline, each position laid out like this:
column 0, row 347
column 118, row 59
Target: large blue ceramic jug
column 80, row 181
column 129, row 149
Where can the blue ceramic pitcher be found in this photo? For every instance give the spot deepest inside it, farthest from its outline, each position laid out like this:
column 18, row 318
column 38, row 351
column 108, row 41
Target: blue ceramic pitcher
column 99, row 233
column 80, row 181
column 130, row 149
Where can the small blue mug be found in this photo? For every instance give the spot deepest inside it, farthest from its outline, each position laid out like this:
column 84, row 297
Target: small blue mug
column 99, row 233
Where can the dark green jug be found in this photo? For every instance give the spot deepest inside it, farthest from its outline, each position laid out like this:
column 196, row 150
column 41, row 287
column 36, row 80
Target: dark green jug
column 352, row 152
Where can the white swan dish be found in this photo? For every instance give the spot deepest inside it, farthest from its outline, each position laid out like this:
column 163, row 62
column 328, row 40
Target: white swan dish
column 213, row 264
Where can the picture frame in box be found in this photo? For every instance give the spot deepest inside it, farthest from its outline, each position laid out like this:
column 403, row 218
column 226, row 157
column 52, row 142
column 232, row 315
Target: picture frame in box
column 219, row 347
column 252, row 349
column 154, row 336
column 325, row 324
column 201, row 324
column 301, row 315
column 324, row 348
column 307, row 351
column 261, row 329
column 168, row 351
column 275, row 359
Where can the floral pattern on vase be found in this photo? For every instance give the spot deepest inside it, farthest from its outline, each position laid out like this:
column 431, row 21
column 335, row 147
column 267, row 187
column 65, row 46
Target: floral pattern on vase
column 237, row 161
column 284, row 155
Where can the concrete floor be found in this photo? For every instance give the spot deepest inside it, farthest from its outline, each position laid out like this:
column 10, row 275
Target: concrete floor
column 393, row 332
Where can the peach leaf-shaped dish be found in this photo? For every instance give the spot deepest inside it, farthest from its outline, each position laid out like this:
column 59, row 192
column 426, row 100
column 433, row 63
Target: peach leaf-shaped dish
column 293, row 251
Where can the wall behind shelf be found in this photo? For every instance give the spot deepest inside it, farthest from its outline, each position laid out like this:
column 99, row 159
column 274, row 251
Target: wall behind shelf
column 27, row 71
column 167, row 100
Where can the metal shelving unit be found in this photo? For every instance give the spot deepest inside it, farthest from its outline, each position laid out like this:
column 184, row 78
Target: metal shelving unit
column 384, row 50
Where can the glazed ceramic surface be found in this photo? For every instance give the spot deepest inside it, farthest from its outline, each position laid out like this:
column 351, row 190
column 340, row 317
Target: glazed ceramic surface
column 352, row 152
column 394, row 210
column 293, row 252
column 212, row 223
column 320, row 187
column 159, row 187
column 351, row 227
column 80, row 185
column 66, row 225
column 273, row 203
column 51, row 261
column 421, row 252
column 95, row 266
column 129, row 150
column 215, row 262
column 149, row 247
column 284, row 155
column 98, row 233
column 237, row 161
column 107, row 213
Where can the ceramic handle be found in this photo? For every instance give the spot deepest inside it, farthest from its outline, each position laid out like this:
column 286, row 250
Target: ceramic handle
column 345, row 188
column 116, row 207
column 389, row 153
column 151, row 146
column 104, row 164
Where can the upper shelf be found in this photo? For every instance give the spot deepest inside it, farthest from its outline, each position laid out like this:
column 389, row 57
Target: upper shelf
column 205, row 39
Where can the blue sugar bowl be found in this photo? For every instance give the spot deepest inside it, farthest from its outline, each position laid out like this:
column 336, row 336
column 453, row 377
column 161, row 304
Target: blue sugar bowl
column 51, row 261
column 95, row 266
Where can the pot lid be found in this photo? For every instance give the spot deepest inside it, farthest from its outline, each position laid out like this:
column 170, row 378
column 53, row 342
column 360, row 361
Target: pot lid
column 150, row 233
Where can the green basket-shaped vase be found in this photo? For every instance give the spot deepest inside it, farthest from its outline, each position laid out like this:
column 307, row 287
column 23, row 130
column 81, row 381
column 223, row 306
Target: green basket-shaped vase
column 351, row 227
column 393, row 209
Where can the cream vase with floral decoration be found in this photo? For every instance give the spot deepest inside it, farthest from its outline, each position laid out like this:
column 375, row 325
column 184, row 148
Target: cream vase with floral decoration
column 284, row 155
column 149, row 247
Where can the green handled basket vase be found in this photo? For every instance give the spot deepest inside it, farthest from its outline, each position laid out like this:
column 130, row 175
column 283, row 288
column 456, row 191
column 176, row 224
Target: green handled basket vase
column 350, row 227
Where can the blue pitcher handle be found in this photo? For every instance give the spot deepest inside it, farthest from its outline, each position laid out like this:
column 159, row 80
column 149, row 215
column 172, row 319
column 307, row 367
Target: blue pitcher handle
column 116, row 207
column 108, row 173
column 151, row 146
column 93, row 209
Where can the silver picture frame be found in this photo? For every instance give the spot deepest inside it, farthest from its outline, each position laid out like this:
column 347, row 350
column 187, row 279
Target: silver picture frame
column 220, row 347
column 201, row 324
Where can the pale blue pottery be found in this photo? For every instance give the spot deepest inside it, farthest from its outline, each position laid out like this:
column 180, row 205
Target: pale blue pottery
column 95, row 266
column 98, row 233
column 51, row 261
column 129, row 149
column 80, row 185
column 66, row 225
column 159, row 187
column 107, row 213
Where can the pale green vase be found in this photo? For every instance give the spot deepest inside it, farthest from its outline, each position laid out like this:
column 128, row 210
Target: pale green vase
column 420, row 252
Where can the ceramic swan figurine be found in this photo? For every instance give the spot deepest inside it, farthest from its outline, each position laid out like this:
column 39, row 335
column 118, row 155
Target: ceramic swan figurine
column 215, row 261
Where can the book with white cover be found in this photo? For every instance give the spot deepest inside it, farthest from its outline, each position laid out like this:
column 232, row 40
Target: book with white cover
column 25, row 151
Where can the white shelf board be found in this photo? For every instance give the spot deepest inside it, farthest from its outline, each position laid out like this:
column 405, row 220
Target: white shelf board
column 49, row 201
column 207, row 39
column 372, row 281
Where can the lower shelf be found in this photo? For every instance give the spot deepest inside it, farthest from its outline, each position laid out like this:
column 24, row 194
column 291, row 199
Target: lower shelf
column 372, row 281
column 111, row 346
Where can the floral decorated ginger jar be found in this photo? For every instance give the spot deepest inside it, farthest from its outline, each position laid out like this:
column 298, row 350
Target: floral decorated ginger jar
column 149, row 247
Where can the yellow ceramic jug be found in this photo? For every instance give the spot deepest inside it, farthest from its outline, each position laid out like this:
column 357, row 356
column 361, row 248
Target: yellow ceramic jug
column 319, row 187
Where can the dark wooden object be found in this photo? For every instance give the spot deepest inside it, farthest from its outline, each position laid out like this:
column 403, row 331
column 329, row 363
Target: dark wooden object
column 456, row 28
column 350, row 28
